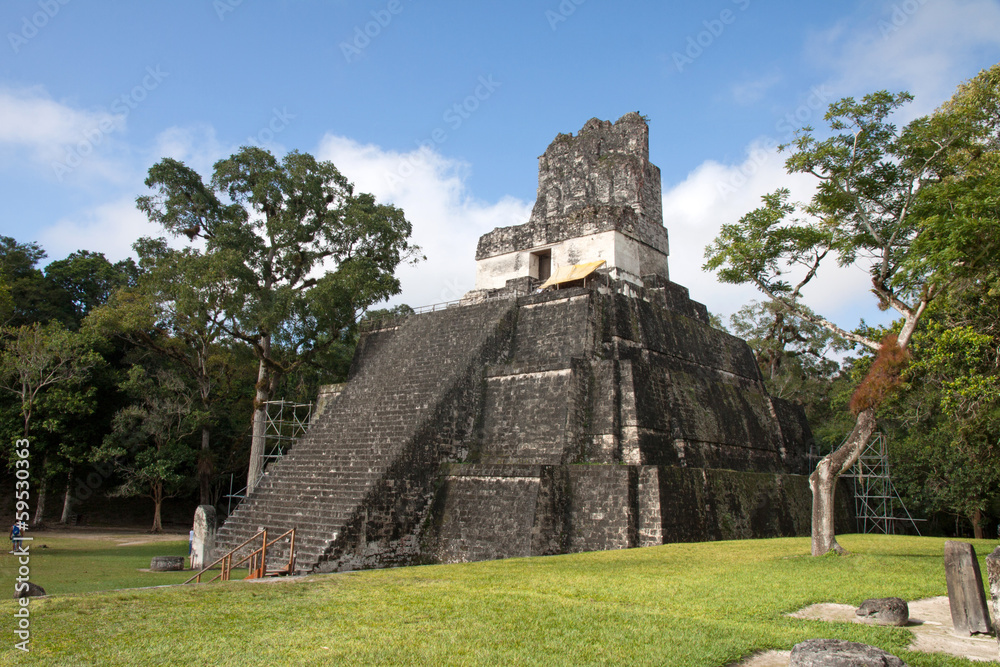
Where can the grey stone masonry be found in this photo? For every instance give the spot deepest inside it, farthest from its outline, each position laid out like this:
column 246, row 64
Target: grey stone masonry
column 367, row 465
column 993, row 574
column 969, row 613
column 577, row 420
column 597, row 181
column 203, row 544
column 606, row 414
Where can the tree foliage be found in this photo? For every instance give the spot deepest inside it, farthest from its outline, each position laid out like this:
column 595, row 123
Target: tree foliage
column 905, row 203
column 150, row 438
column 298, row 255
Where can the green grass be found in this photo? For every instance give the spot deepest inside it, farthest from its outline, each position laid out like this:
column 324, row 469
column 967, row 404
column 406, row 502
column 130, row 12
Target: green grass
column 88, row 562
column 680, row 604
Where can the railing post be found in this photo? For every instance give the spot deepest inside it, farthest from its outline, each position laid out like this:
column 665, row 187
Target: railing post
column 291, row 553
column 263, row 556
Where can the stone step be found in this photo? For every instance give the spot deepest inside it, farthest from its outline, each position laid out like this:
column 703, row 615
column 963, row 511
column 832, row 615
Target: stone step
column 319, row 485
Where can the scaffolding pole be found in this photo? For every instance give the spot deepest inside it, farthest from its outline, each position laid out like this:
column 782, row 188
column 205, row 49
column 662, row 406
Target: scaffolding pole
column 284, row 423
column 878, row 507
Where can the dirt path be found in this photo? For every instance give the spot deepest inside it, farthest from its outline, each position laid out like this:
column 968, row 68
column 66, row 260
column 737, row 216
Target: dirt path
column 930, row 623
column 122, row 537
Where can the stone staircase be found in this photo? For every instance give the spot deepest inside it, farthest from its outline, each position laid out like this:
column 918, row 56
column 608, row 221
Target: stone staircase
column 353, row 455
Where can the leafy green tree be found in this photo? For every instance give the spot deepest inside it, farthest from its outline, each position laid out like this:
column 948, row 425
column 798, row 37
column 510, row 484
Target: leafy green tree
column 30, row 297
column 793, row 353
column 176, row 309
column 88, row 279
column 951, row 430
column 302, row 254
column 45, row 366
column 150, row 438
column 873, row 203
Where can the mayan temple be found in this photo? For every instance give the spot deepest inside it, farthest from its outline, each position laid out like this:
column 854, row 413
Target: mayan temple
column 575, row 400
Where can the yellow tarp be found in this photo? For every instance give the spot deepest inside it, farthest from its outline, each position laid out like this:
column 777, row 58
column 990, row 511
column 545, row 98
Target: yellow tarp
column 565, row 274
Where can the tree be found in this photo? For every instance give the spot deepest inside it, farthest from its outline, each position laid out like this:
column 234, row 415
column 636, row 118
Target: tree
column 37, row 359
column 88, row 280
column 175, row 309
column 792, row 352
column 31, row 298
column 303, row 255
column 951, row 433
column 149, row 438
column 876, row 190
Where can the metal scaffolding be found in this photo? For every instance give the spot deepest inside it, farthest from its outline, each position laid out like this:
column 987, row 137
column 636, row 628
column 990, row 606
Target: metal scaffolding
column 878, row 507
column 284, row 423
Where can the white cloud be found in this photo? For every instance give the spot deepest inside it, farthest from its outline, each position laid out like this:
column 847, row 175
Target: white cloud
column 921, row 46
column 110, row 228
column 447, row 221
column 715, row 194
column 197, row 146
column 65, row 141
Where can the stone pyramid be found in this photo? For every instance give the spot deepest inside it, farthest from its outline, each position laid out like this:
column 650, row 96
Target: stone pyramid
column 602, row 412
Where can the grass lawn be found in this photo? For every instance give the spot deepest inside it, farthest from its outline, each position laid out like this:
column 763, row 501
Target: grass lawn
column 680, row 604
column 83, row 561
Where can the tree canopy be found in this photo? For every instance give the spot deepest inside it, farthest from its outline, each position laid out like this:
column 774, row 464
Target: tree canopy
column 912, row 205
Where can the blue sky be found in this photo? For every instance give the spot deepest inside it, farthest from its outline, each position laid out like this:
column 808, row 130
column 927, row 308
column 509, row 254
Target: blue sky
column 443, row 107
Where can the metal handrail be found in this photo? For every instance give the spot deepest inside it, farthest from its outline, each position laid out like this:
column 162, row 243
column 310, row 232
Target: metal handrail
column 258, row 569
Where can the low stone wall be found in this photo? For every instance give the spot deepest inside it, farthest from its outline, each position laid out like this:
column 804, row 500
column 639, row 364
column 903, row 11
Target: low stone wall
column 484, row 512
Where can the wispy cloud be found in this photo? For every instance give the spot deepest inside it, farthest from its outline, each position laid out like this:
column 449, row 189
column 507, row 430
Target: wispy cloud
column 747, row 92
column 42, row 131
column 921, row 46
column 447, row 219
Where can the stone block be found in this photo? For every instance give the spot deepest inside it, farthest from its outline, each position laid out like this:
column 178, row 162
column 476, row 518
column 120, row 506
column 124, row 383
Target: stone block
column 969, row 613
column 167, row 563
column 30, row 590
column 203, row 544
column 840, row 653
column 885, row 611
column 993, row 574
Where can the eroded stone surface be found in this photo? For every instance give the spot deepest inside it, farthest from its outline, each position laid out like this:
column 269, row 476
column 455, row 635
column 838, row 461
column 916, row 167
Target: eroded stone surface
column 930, row 623
column 840, row 653
column 969, row 612
column 885, row 611
column 166, row 563
column 203, row 544
column 993, row 574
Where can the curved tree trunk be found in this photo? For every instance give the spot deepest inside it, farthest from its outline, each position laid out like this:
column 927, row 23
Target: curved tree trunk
column 823, row 483
column 257, row 433
column 157, row 505
column 205, row 468
column 67, row 500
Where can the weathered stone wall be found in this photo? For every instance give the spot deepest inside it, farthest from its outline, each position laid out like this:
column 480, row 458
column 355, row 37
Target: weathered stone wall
column 582, row 419
column 356, row 486
column 598, row 199
column 483, row 512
